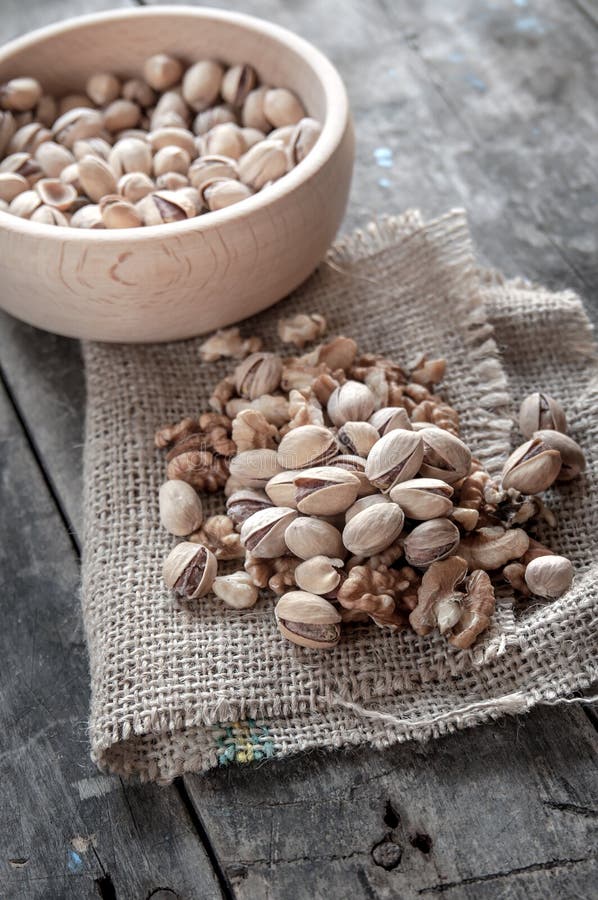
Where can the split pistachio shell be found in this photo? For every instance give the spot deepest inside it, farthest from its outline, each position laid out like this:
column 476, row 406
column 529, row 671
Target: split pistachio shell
column 540, row 411
column 573, row 460
column 77, row 124
column 162, row 207
column 308, row 620
column 390, row 417
column 49, row 215
column 325, row 490
column 162, row 71
column 95, row 146
column 282, row 107
column 130, row 155
column 257, row 375
column 208, row 169
column 8, row 126
column 25, row 204
column 29, row 137
column 431, row 541
column 244, row 502
column 89, row 216
column 237, row 590
column 303, row 138
column 364, row 503
column 225, row 140
column 118, row 213
column 96, row 177
column 423, row 498
column 134, row 186
column 53, row 158
column 54, row 192
column 357, row 438
column 189, row 570
column 262, row 163
column 373, row 529
column 217, row 115
column 446, row 457
column 201, row 84
column 351, row 402
column 394, row 458
column 22, row 164
column 281, row 488
column 252, row 114
column 319, row 575
column 254, row 468
column 172, row 137
column 549, row 576
column 263, row 533
column 356, row 465
column 11, row 185
column 532, row 468
column 237, row 82
column 171, row 181
column 307, row 445
column 309, row 536
column 180, row 508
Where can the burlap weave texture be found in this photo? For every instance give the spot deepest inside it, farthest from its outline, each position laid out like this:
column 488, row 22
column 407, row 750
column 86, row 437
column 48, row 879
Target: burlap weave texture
column 164, row 679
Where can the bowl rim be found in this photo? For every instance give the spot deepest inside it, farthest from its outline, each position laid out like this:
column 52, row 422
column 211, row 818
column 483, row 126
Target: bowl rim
column 333, row 130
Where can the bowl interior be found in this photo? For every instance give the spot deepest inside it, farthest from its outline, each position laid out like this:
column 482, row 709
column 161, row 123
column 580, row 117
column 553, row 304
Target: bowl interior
column 63, row 57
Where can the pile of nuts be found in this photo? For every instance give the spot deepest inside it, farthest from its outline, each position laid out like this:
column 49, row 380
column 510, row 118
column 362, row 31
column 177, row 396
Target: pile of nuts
column 146, row 151
column 351, row 496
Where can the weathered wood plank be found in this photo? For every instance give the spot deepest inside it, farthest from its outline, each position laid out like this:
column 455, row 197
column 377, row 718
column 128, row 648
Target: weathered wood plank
column 63, row 826
column 516, row 801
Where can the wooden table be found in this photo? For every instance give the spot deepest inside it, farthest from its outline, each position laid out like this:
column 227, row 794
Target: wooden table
column 489, row 105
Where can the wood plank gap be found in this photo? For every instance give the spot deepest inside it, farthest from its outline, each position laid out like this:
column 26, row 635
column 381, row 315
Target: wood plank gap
column 193, row 813
column 587, row 12
column 47, row 479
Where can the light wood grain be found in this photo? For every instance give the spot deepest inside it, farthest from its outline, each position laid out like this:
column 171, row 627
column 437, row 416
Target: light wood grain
column 169, row 282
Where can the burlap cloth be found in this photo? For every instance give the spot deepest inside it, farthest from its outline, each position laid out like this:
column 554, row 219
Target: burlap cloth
column 178, row 691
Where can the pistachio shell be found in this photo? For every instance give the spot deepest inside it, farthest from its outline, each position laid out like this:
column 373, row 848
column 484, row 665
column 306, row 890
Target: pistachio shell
column 423, row 498
column 363, row 503
column 396, row 457
column 254, row 468
column 96, row 177
column 351, row 402
column 263, row 533
column 309, row 536
column 445, row 456
column 390, row 417
column 319, row 575
column 281, row 488
column 308, row 620
column 532, row 467
column 257, row 375
column 180, row 508
column 201, row 84
column 573, row 461
column 190, row 569
column 325, row 490
column 357, row 438
column 373, row 529
column 262, row 163
column 307, row 445
column 431, row 541
column 541, row 411
column 549, row 576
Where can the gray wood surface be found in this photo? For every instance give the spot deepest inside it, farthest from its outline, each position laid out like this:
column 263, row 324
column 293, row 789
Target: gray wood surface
column 490, row 105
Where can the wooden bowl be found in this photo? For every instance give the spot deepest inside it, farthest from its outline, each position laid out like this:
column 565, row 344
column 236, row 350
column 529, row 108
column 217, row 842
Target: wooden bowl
column 173, row 281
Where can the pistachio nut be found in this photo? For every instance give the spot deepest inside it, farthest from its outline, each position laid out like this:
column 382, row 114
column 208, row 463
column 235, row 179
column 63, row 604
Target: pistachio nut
column 70, row 175
column 325, row 490
column 20, row 94
column 303, row 137
column 257, row 375
column 222, row 193
column 281, row 488
column 217, row 115
column 252, row 113
column 225, row 140
column 119, row 213
column 180, row 508
column 170, row 109
column 88, row 216
column 309, row 536
column 139, row 91
column 356, row 465
column 25, row 204
column 237, row 590
column 130, row 155
column 172, row 137
column 390, row 417
column 22, row 164
column 373, row 529
column 245, row 502
column 423, row 498
column 162, row 207
column 319, row 575
column 46, row 110
column 254, row 468
column 74, row 101
column 201, row 84
column 171, row 159
column 281, row 107
column 549, row 576
column 190, row 570
column 539, row 411
column 49, row 215
column 237, row 82
column 307, row 445
column 91, row 147
column 357, row 438
column 53, row 158
column 308, row 620
column 207, row 169
column 363, row 503
column 351, row 402
column 102, row 88
column 11, row 185
column 96, row 177
column 162, row 71
column 445, row 456
column 8, row 126
column 28, row 138
column 430, row 542
column 252, row 136
column 134, row 186
column 532, row 468
column 396, row 457
column 573, row 460
column 171, row 181
column 263, row 533
column 262, row 163
column 77, row 124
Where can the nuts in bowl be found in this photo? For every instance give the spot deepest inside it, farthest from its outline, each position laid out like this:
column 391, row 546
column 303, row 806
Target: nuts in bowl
column 171, row 189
